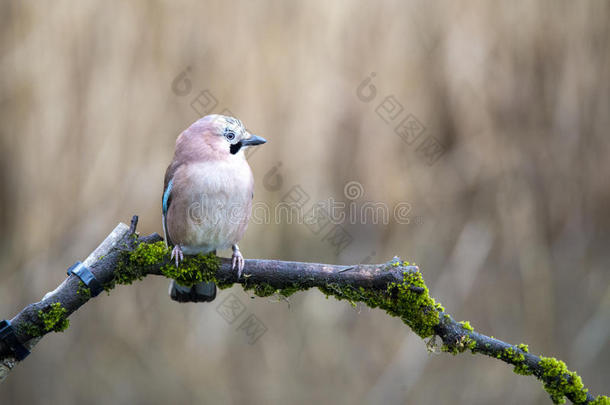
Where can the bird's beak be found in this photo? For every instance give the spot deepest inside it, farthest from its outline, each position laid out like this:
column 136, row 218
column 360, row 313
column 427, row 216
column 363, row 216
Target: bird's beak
column 253, row 140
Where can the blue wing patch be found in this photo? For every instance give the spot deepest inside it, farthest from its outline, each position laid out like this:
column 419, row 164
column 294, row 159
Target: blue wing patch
column 164, row 208
column 166, row 195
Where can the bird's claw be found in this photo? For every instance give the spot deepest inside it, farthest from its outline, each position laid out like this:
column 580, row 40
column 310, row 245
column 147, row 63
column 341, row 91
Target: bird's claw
column 237, row 260
column 177, row 253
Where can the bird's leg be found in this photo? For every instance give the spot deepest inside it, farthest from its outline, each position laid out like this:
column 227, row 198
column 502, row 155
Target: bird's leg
column 237, row 260
column 177, row 253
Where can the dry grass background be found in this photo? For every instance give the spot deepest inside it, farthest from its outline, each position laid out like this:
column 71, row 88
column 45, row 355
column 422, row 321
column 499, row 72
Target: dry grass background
column 513, row 221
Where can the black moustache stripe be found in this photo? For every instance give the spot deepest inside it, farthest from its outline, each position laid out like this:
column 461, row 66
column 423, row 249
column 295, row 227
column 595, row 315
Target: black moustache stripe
column 235, row 147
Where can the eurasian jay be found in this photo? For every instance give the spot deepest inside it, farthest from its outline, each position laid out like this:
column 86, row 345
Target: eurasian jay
column 207, row 196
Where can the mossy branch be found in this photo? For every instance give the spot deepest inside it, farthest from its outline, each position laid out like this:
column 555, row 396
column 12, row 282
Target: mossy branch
column 395, row 286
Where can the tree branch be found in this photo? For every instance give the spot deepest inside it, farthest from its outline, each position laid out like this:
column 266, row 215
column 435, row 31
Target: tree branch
column 396, row 287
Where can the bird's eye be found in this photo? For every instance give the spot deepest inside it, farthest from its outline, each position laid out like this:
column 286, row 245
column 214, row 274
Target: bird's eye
column 230, row 135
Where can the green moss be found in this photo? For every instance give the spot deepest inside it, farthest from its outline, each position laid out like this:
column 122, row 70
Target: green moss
column 522, row 369
column 515, row 356
column 194, row 270
column 558, row 381
column 134, row 264
column 466, row 325
column 54, row 318
column 83, row 291
column 30, row 329
column 261, row 289
column 523, row 347
column 512, row 355
column 288, row 291
column 266, row 290
column 465, row 343
column 415, row 308
column 601, row 400
column 450, row 349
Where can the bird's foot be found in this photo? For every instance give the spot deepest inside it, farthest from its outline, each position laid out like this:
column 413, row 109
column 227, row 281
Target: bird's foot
column 237, row 260
column 177, row 253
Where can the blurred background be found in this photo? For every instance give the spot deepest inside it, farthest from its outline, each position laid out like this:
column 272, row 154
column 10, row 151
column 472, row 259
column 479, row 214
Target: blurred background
column 487, row 123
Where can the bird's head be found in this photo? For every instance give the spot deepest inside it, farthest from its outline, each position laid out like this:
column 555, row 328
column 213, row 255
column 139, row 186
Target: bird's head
column 218, row 134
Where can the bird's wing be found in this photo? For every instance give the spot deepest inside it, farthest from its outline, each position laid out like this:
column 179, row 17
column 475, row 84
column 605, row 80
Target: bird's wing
column 167, row 198
column 165, row 206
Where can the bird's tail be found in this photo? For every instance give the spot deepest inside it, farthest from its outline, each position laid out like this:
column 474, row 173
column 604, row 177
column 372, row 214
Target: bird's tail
column 202, row 292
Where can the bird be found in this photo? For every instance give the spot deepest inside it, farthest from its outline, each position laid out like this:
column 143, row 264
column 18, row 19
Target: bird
column 207, row 196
